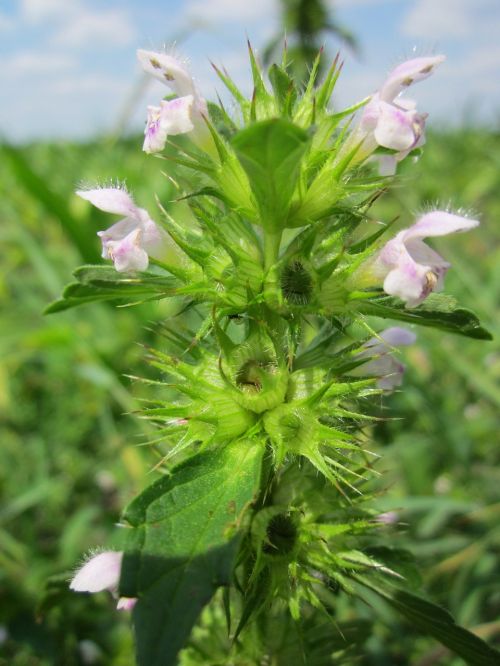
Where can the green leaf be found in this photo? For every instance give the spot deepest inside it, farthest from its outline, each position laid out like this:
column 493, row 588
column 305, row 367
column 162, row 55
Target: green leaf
column 437, row 311
column 270, row 153
column 185, row 537
column 284, row 89
column 103, row 283
column 435, row 621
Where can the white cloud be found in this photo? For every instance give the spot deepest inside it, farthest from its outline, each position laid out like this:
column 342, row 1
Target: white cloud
column 458, row 19
column 34, row 64
column 103, row 28
column 77, row 25
column 88, row 83
column 6, row 23
column 230, row 11
column 349, row 4
column 38, row 11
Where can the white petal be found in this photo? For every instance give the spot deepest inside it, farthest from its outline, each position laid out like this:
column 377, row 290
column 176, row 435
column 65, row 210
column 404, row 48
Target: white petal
column 155, row 134
column 439, row 223
column 126, row 603
column 168, row 70
column 177, row 115
column 119, row 230
column 407, row 73
column 154, row 240
column 395, row 127
column 386, row 164
column 110, row 200
column 424, row 255
column 128, row 254
column 101, row 572
column 409, row 281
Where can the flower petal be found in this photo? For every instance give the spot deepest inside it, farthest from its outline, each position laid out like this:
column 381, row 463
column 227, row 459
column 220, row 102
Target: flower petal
column 407, row 73
column 409, row 281
column 396, row 128
column 396, row 336
column 167, row 69
column 177, row 115
column 126, row 603
column 128, row 253
column 111, row 200
column 101, row 572
column 439, row 223
column 155, row 134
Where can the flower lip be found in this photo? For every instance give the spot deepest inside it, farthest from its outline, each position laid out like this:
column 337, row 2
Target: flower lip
column 169, row 70
column 410, row 268
column 132, row 240
column 116, row 200
column 100, row 572
column 407, row 73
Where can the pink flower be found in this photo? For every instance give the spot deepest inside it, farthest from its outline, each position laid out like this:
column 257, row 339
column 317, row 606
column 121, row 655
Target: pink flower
column 174, row 117
column 130, row 242
column 178, row 116
column 102, row 572
column 394, row 123
column 409, row 267
column 381, row 362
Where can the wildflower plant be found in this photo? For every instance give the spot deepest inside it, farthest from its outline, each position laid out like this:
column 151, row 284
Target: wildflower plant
column 261, row 522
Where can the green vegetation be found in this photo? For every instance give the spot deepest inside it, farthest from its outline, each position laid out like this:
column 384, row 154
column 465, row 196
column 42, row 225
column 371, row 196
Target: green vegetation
column 70, row 454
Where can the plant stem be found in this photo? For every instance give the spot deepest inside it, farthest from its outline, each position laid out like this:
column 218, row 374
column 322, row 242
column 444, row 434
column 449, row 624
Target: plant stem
column 272, row 244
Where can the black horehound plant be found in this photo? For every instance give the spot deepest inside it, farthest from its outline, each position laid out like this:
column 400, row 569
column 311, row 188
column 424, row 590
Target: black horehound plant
column 261, row 524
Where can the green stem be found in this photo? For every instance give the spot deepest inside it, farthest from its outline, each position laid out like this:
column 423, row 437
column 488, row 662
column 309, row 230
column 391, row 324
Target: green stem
column 272, row 244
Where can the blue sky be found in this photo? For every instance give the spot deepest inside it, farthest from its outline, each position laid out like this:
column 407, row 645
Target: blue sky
column 69, row 68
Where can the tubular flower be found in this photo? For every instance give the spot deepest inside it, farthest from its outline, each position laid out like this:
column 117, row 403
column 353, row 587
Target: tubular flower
column 394, row 123
column 130, row 242
column 178, row 116
column 381, row 362
column 173, row 117
column 102, row 572
column 409, row 267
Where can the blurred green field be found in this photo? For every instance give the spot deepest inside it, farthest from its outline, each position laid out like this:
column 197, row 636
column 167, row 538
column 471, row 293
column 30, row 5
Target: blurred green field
column 69, row 454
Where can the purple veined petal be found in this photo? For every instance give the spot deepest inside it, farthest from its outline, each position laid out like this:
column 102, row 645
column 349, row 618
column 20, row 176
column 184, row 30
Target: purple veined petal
column 395, row 127
column 407, row 73
column 155, row 134
column 126, row 603
column 177, row 115
column 100, row 572
column 128, row 253
column 169, row 70
column 111, row 200
column 439, row 223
